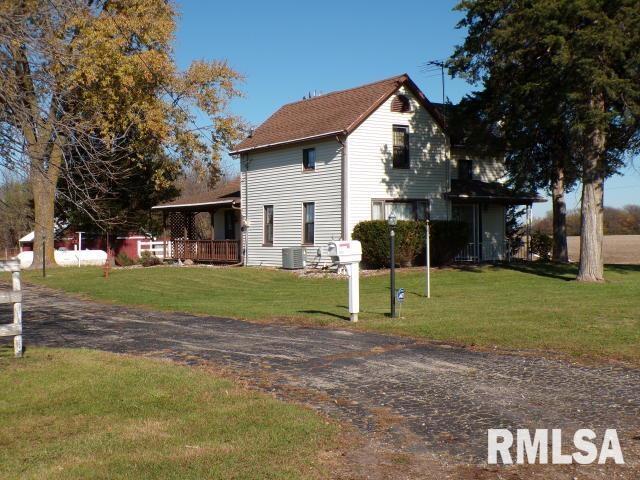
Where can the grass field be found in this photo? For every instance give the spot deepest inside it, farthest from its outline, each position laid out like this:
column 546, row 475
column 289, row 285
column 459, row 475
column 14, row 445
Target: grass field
column 76, row 414
column 535, row 307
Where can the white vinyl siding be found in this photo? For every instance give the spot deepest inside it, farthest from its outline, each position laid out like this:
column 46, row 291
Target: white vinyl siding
column 276, row 177
column 371, row 173
column 487, row 169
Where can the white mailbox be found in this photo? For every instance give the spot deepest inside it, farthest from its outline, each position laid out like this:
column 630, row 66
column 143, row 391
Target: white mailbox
column 349, row 253
column 344, row 252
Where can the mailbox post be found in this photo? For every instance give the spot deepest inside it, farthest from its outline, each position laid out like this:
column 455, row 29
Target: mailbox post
column 392, row 221
column 349, row 254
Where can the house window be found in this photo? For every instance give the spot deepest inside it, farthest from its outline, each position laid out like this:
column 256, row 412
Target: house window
column 465, row 169
column 229, row 225
column 309, row 221
column 268, row 224
column 400, row 104
column 400, row 146
column 309, row 158
column 402, row 209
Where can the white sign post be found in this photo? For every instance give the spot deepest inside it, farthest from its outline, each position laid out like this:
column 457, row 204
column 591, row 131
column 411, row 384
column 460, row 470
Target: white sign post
column 349, row 254
column 428, row 261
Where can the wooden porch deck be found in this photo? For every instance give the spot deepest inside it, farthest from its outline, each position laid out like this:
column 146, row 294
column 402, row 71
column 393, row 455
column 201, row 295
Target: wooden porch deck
column 214, row 251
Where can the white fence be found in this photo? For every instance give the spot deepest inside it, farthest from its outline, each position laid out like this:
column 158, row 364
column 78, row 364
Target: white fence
column 13, row 296
column 157, row 248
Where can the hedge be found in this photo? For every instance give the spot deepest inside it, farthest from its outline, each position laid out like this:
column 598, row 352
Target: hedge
column 448, row 238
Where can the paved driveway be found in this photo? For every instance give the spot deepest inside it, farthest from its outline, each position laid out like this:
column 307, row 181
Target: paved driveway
column 428, row 397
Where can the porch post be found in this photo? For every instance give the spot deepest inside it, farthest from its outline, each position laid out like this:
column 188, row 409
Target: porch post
column 239, row 218
column 164, row 235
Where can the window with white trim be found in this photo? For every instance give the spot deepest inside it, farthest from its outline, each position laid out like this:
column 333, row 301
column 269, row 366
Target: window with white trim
column 309, row 223
column 268, row 225
column 402, row 209
column 309, row 159
column 401, row 147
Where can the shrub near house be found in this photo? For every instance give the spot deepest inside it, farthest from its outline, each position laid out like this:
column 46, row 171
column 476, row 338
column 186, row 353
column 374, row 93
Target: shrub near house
column 447, row 239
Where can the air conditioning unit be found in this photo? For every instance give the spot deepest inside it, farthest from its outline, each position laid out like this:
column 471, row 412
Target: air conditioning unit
column 293, row 258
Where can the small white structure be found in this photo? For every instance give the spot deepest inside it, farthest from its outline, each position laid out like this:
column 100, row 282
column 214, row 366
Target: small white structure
column 349, row 255
column 69, row 258
column 28, row 238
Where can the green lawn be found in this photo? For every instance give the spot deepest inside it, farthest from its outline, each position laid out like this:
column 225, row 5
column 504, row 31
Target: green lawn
column 78, row 414
column 525, row 307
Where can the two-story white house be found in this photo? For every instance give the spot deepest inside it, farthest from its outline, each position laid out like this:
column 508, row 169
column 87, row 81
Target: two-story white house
column 317, row 167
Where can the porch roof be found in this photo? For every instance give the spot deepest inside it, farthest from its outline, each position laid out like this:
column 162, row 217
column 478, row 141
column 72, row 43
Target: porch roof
column 485, row 192
column 224, row 195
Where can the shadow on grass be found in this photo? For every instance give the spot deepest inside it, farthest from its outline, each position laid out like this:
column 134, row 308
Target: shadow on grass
column 6, row 350
column 558, row 271
column 322, row 312
column 465, row 267
column 622, row 268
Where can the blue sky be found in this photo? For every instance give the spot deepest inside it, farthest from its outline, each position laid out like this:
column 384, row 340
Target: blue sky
column 288, row 48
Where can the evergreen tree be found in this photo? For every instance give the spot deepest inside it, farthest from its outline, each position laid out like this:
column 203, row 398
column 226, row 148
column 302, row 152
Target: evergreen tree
column 566, row 66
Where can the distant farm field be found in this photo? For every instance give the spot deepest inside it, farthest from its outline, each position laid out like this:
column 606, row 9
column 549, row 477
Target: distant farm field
column 618, row 249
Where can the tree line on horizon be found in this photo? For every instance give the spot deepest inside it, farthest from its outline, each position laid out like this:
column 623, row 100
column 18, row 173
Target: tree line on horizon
column 616, row 221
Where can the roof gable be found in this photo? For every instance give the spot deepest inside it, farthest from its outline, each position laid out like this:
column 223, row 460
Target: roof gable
column 334, row 113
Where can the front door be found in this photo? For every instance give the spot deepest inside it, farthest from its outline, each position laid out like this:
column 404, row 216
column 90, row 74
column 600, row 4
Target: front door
column 229, row 225
column 469, row 214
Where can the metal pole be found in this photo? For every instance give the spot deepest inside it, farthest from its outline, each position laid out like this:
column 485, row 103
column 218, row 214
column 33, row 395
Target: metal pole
column 428, row 261
column 529, row 256
column 393, row 273
column 44, row 267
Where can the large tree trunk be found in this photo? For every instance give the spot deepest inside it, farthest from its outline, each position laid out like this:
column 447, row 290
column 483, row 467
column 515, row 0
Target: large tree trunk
column 560, row 251
column 43, row 201
column 591, row 213
column 43, row 185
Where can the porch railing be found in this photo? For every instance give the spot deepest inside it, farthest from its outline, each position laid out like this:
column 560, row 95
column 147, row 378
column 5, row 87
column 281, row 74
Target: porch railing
column 468, row 254
column 473, row 252
column 206, row 250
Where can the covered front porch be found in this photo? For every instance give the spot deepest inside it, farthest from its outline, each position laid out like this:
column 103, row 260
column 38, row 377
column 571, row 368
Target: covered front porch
column 483, row 206
column 203, row 227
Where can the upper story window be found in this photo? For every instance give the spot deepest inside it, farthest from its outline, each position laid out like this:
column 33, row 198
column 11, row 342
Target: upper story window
column 401, row 146
column 465, row 169
column 400, row 104
column 309, row 158
column 268, row 225
column 309, row 223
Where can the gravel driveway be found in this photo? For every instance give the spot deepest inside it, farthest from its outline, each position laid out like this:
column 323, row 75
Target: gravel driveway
column 420, row 396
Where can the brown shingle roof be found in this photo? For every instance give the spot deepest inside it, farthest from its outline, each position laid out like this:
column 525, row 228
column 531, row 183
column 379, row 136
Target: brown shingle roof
column 229, row 191
column 330, row 114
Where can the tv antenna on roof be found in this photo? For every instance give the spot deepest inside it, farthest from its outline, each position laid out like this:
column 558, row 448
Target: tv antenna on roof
column 432, row 66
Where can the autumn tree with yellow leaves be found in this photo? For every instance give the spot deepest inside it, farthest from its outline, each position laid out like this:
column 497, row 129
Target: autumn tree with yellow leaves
column 89, row 90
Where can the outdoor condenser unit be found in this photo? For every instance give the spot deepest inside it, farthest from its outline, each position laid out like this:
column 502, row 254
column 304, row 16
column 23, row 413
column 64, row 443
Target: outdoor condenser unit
column 293, row 258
